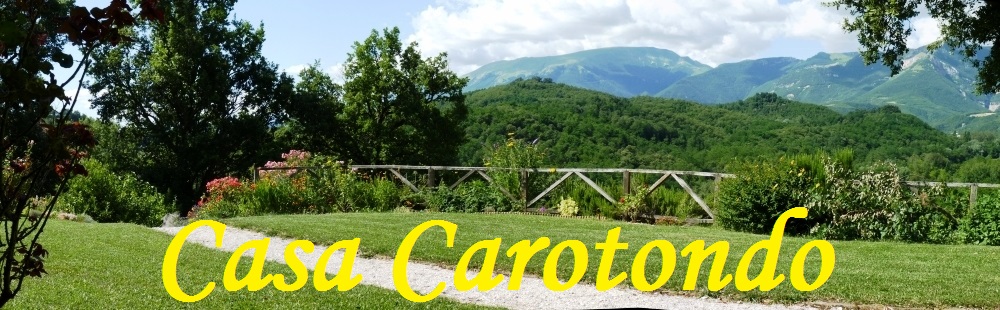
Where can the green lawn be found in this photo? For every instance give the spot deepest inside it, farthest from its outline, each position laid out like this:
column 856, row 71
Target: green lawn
column 882, row 273
column 117, row 266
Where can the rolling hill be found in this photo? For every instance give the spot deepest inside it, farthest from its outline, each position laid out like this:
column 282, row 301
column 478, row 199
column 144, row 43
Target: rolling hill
column 936, row 87
column 622, row 71
column 582, row 127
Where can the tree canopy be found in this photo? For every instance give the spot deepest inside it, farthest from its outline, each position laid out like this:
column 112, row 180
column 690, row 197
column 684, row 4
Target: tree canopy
column 199, row 91
column 40, row 146
column 966, row 26
column 400, row 107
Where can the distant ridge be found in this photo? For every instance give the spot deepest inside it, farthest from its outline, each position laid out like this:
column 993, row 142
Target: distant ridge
column 936, row 87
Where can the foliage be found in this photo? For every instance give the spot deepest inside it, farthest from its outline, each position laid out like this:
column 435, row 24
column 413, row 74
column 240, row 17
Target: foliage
column 198, row 90
column 301, row 183
column 869, row 203
column 567, row 207
column 883, row 28
column 314, row 117
column 398, row 107
column 477, row 196
column 635, row 206
column 763, row 190
column 41, row 148
column 109, row 197
column 508, row 160
column 656, row 133
column 982, row 225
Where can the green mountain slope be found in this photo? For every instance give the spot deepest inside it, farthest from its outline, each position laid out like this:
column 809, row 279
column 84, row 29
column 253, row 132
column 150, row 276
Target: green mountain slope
column 936, row 87
column 728, row 82
column 620, row 71
column 587, row 128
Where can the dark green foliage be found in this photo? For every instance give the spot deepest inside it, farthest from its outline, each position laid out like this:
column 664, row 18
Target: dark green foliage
column 400, row 108
column 967, row 26
column 478, row 196
column 982, row 225
column 590, row 129
column 195, row 92
column 980, row 169
column 762, row 191
column 935, row 87
column 314, row 115
column 111, row 197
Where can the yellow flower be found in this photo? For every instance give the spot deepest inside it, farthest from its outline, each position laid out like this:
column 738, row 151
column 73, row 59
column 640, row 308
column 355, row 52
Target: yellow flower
column 510, row 144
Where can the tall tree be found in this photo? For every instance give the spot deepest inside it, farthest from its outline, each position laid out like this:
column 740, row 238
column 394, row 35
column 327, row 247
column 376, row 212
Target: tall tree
column 968, row 26
column 399, row 107
column 40, row 148
column 198, row 89
column 315, row 115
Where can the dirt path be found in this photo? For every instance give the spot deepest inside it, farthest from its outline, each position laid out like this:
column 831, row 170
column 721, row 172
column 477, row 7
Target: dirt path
column 423, row 277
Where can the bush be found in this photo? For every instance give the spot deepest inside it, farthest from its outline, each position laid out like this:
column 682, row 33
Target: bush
column 762, row 191
column 478, row 196
column 327, row 186
column 567, row 207
column 982, row 225
column 516, row 154
column 635, row 206
column 110, row 197
column 870, row 204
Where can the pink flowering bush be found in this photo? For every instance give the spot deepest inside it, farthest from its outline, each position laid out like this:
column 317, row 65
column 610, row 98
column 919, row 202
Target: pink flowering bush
column 285, row 168
column 327, row 186
column 219, row 199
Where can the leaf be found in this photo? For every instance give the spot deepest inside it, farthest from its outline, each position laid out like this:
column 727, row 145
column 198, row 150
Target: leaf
column 64, row 60
column 98, row 13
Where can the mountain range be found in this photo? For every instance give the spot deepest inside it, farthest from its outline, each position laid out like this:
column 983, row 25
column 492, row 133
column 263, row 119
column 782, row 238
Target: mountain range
column 937, row 87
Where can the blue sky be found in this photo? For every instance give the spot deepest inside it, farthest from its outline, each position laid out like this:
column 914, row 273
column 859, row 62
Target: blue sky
column 477, row 32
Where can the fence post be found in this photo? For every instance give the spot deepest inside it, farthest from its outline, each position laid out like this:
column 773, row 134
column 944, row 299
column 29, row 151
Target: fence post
column 627, row 182
column 431, row 181
column 715, row 197
column 524, row 188
column 972, row 195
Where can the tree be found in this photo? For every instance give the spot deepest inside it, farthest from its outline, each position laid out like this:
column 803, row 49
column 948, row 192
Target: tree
column 314, row 115
column 41, row 148
column 400, row 108
column 967, row 26
column 198, row 90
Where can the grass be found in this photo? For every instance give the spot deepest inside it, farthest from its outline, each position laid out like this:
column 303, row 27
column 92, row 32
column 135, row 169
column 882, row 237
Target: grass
column 883, row 273
column 117, row 266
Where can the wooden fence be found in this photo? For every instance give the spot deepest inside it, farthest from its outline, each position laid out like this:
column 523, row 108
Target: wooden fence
column 665, row 176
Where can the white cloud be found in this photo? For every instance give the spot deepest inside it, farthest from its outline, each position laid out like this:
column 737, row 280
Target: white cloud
column 926, row 30
column 477, row 32
column 294, row 70
column 336, row 73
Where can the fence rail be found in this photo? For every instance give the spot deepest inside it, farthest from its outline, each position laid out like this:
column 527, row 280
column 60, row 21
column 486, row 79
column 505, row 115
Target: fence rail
column 665, row 176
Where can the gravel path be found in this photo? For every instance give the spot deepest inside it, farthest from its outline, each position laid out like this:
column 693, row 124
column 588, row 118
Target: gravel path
column 423, row 277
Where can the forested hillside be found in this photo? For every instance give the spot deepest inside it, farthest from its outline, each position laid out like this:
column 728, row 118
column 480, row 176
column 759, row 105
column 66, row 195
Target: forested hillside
column 936, row 87
column 586, row 128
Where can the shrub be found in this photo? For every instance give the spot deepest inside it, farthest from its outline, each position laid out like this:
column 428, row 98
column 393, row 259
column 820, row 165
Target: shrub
column 512, row 155
column 110, row 197
column 478, row 196
column 440, row 198
column 875, row 204
column 762, row 191
column 982, row 225
column 635, row 206
column 567, row 207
